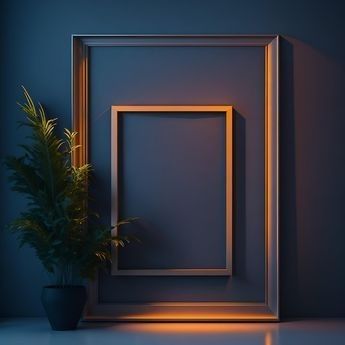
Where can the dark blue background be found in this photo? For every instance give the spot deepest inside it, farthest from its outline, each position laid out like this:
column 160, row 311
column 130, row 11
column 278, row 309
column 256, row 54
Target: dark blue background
column 35, row 39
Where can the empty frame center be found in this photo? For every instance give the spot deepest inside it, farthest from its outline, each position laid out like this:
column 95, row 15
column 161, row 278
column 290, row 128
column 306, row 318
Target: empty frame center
column 172, row 168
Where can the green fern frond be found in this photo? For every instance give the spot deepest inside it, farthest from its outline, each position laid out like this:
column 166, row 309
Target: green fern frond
column 58, row 224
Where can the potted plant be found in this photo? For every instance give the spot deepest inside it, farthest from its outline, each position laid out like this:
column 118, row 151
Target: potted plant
column 57, row 223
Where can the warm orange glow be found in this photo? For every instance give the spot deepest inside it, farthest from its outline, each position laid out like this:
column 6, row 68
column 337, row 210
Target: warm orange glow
column 268, row 339
column 190, row 328
column 202, row 317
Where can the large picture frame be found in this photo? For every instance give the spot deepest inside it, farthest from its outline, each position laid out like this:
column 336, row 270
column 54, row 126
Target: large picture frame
column 268, row 310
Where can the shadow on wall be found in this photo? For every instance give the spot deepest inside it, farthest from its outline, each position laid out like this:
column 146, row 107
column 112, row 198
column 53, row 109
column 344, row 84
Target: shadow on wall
column 312, row 191
column 288, row 226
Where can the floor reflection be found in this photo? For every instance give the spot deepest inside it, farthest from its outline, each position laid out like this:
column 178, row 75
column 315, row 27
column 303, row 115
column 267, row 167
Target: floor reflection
column 38, row 332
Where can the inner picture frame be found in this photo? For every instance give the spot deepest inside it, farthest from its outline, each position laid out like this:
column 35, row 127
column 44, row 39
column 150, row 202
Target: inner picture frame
column 227, row 110
column 265, row 310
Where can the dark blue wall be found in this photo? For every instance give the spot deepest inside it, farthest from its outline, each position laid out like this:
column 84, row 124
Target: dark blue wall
column 35, row 41
column 177, row 75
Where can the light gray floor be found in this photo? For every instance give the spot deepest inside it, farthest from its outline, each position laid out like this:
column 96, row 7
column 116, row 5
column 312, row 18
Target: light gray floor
column 38, row 332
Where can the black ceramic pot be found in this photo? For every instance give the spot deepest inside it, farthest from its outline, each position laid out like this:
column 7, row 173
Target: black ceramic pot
column 64, row 305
